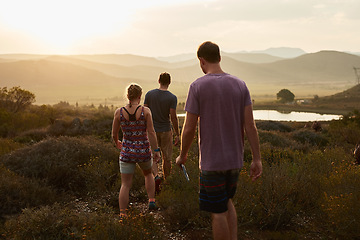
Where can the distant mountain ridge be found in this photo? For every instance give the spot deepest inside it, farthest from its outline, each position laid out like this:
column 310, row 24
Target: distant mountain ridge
column 76, row 77
column 282, row 52
column 260, row 56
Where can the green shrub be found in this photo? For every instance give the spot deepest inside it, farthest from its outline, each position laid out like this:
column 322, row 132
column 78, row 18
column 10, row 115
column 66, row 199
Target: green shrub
column 343, row 214
column 60, row 223
column 100, row 127
column 308, row 191
column 8, row 145
column 272, row 204
column 310, row 137
column 341, row 195
column 60, row 161
column 273, row 126
column 58, row 128
column 5, row 119
column 16, row 123
column 18, row 192
column 272, row 155
column 100, row 176
column 285, row 191
column 274, row 139
column 179, row 199
column 344, row 133
column 31, row 136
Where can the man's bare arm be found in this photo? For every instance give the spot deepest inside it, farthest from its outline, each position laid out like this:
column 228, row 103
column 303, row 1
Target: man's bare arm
column 175, row 124
column 253, row 138
column 187, row 136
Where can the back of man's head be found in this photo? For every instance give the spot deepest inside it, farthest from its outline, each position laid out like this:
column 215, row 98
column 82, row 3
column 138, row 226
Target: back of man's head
column 165, row 79
column 209, row 51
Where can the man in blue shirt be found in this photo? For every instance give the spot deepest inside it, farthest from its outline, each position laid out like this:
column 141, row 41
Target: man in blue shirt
column 162, row 104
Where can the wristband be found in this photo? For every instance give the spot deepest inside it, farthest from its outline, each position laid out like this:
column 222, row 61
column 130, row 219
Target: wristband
column 157, row 150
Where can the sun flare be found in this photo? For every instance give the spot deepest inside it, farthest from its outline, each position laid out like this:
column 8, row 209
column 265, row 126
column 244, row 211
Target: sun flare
column 63, row 24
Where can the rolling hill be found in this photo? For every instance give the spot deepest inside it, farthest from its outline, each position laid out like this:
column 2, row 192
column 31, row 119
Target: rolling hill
column 252, row 57
column 83, row 77
column 53, row 82
column 348, row 99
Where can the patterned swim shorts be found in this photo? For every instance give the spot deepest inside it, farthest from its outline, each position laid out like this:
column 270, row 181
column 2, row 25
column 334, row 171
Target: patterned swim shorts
column 216, row 188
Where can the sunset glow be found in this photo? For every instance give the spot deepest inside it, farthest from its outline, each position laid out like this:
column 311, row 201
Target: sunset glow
column 62, row 24
column 163, row 28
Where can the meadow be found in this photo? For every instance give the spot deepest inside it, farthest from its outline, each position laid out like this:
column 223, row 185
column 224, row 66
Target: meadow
column 60, row 180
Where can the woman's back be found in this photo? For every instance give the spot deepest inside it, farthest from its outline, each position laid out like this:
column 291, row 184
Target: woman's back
column 135, row 144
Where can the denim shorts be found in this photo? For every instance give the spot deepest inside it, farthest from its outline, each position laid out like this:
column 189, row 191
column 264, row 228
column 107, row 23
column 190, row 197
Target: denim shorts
column 216, row 188
column 126, row 167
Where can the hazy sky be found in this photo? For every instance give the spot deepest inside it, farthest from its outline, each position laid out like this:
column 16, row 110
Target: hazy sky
column 169, row 27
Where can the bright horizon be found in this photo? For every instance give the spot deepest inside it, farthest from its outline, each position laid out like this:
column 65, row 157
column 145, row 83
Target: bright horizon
column 164, row 28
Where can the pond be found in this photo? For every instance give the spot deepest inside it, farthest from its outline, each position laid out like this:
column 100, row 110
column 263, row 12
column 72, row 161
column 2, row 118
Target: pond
column 291, row 116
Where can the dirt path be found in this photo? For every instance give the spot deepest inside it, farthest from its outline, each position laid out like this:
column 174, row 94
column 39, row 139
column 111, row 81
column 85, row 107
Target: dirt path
column 159, row 220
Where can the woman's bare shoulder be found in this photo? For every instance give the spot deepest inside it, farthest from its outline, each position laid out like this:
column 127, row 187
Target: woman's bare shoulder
column 117, row 112
column 147, row 111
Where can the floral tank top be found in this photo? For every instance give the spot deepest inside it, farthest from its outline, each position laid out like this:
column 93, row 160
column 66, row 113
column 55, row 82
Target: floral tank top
column 135, row 143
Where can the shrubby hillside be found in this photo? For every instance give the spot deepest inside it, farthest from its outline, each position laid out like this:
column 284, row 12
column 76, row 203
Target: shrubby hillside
column 60, row 180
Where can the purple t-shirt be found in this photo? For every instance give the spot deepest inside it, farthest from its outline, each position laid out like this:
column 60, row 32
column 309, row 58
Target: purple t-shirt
column 219, row 100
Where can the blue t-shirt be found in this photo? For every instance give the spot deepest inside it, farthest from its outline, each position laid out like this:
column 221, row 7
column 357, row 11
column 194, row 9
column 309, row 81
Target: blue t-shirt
column 160, row 102
column 219, row 100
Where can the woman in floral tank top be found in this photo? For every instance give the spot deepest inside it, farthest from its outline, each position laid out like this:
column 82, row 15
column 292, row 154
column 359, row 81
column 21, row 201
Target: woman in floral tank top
column 139, row 139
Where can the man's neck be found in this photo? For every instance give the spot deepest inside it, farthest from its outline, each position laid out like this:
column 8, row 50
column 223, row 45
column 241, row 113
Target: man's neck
column 164, row 88
column 215, row 72
column 214, row 69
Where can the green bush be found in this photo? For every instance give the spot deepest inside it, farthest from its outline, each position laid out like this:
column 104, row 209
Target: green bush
column 59, row 222
column 18, row 192
column 5, row 119
column 13, row 124
column 59, row 162
column 179, row 199
column 8, row 145
column 341, row 196
column 31, row 136
column 273, row 126
column 310, row 137
column 58, row 128
column 277, row 199
column 345, row 134
column 99, row 127
column 343, row 214
column 274, row 139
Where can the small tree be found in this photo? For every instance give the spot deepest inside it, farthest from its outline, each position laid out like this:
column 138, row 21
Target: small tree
column 15, row 99
column 316, row 98
column 284, row 95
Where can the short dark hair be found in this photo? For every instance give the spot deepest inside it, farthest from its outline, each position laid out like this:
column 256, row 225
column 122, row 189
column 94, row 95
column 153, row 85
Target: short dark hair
column 165, row 78
column 209, row 51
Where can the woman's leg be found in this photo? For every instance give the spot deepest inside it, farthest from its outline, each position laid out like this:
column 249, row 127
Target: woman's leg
column 126, row 182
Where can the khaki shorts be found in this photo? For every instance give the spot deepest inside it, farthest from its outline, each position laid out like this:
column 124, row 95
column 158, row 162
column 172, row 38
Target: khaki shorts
column 165, row 142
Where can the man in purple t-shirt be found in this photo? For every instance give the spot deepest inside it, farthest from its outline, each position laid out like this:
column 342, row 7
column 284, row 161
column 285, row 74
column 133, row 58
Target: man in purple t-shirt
column 222, row 105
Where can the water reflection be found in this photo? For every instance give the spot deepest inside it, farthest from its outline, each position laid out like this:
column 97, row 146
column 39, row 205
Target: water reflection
column 290, row 116
column 293, row 116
